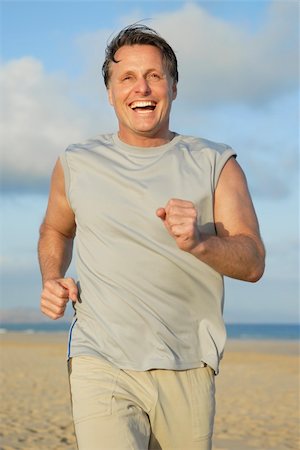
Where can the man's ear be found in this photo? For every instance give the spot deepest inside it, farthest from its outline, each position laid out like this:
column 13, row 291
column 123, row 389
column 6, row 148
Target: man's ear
column 174, row 90
column 110, row 97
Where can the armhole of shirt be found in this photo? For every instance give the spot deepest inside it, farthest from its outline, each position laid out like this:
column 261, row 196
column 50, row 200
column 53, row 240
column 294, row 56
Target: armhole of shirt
column 67, row 176
column 221, row 160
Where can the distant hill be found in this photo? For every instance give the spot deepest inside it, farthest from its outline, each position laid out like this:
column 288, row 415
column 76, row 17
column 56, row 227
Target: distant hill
column 29, row 315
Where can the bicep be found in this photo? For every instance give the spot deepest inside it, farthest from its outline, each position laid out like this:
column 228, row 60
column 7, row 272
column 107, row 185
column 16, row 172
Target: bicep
column 234, row 212
column 59, row 215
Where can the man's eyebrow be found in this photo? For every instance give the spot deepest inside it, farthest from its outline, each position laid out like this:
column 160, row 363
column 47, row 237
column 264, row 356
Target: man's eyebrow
column 126, row 72
column 147, row 71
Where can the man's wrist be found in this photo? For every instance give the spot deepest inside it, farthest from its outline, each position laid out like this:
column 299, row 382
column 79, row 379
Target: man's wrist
column 51, row 277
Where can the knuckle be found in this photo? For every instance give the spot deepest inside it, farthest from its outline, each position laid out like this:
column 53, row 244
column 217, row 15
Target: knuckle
column 43, row 302
column 175, row 230
column 57, row 316
column 59, row 309
column 61, row 303
column 172, row 202
column 53, row 316
column 58, row 301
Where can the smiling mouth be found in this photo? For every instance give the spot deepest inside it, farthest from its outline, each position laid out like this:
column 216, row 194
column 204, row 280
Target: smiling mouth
column 143, row 106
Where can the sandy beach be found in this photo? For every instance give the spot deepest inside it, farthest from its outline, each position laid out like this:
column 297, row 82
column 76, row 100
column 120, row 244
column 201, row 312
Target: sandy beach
column 257, row 395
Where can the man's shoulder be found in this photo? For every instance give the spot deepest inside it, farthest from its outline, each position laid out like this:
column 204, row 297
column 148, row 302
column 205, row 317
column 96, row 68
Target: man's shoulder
column 92, row 144
column 197, row 144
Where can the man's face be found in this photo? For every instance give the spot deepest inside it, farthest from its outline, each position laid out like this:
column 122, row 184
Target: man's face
column 141, row 92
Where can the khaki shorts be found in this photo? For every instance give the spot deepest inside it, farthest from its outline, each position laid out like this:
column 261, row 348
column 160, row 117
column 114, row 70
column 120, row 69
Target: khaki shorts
column 152, row 410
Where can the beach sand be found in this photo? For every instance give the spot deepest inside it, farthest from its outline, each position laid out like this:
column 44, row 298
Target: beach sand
column 257, row 395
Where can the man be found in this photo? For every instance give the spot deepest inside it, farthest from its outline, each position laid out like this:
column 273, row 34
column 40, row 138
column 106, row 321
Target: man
column 159, row 219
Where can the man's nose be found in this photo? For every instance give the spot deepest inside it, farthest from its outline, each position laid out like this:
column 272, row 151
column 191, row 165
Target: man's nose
column 142, row 86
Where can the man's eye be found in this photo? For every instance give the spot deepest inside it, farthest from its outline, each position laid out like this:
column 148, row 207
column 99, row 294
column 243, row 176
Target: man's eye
column 154, row 76
column 127, row 78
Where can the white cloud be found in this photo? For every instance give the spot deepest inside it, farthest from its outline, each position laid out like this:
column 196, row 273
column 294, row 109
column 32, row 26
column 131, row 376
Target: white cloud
column 39, row 119
column 218, row 61
column 221, row 62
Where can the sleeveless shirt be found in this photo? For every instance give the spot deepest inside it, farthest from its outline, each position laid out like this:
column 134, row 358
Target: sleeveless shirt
column 144, row 303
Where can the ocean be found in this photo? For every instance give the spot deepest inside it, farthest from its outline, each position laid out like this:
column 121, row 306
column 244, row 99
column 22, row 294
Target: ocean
column 234, row 331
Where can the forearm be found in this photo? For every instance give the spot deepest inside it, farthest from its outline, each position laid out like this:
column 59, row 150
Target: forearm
column 55, row 253
column 241, row 256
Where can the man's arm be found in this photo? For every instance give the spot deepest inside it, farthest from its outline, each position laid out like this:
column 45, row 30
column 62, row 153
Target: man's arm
column 55, row 249
column 237, row 250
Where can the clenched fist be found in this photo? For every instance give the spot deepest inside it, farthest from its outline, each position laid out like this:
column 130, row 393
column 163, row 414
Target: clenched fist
column 55, row 296
column 180, row 219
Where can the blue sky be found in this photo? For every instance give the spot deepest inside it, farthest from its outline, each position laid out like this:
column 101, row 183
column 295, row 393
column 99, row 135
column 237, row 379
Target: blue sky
column 238, row 65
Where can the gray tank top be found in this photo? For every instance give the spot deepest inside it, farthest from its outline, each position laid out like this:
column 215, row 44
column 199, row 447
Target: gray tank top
column 144, row 303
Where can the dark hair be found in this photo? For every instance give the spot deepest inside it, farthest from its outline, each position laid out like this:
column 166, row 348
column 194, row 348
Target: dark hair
column 141, row 35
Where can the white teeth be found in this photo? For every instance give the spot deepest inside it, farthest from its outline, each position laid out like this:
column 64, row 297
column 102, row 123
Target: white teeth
column 142, row 104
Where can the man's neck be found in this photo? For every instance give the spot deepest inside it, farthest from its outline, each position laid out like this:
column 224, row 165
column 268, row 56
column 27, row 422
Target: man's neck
column 146, row 141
